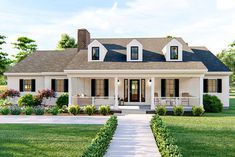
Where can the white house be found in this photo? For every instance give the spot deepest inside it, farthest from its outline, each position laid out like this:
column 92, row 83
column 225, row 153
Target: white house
column 125, row 71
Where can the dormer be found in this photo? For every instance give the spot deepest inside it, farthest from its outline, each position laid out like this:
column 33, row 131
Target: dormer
column 134, row 51
column 96, row 51
column 173, row 51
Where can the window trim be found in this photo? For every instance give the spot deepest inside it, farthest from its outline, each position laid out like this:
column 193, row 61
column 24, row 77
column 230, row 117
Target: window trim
column 171, row 47
column 137, row 52
column 92, row 54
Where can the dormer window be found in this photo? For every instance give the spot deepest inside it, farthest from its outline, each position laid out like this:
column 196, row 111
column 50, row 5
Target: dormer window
column 95, row 53
column 134, row 53
column 174, row 52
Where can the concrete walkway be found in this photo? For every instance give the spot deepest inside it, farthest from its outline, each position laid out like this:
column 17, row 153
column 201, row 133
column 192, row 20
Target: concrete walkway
column 133, row 138
column 53, row 119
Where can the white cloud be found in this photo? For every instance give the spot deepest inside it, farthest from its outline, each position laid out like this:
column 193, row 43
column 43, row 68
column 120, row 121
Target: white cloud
column 225, row 4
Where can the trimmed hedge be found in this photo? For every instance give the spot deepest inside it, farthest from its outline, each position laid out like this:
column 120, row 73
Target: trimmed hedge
column 198, row 110
column 165, row 141
column 161, row 110
column 178, row 110
column 100, row 143
column 212, row 103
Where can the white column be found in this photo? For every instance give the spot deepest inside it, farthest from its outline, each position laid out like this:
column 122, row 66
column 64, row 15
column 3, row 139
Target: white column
column 70, row 91
column 152, row 93
column 201, row 90
column 116, row 93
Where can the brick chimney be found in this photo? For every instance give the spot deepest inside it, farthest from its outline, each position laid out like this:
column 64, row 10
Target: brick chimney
column 83, row 39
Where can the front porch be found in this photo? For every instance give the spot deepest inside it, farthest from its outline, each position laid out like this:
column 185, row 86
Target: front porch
column 136, row 91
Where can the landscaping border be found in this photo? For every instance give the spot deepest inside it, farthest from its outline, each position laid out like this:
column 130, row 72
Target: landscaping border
column 165, row 142
column 100, row 143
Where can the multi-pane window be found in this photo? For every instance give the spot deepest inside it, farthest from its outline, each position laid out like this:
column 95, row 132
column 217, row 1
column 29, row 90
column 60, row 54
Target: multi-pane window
column 95, row 53
column 99, row 87
column 174, row 52
column 212, row 85
column 59, row 85
column 27, row 85
column 170, row 88
column 134, row 53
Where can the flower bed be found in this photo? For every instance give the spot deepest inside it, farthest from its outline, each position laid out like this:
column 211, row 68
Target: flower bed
column 100, row 143
column 165, row 141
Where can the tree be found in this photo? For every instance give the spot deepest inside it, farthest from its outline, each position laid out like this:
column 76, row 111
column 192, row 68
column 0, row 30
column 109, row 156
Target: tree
column 26, row 46
column 66, row 42
column 4, row 60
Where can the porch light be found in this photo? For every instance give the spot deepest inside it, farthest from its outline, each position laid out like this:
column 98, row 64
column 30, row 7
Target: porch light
column 118, row 82
column 150, row 81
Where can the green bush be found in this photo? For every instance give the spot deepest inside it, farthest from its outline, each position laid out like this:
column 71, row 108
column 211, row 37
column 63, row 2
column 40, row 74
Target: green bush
column 165, row 142
column 178, row 110
column 100, row 143
column 89, row 109
column 54, row 110
column 104, row 109
column 74, row 109
column 212, row 103
column 39, row 110
column 15, row 110
column 5, row 102
column 5, row 110
column 161, row 110
column 63, row 100
column 26, row 100
column 197, row 110
column 28, row 110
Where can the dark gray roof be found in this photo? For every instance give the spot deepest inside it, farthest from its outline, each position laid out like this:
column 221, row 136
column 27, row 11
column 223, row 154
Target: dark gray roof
column 212, row 63
column 44, row 61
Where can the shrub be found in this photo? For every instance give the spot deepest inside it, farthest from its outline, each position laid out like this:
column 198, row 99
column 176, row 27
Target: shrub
column 54, row 110
column 63, row 100
column 5, row 110
column 15, row 110
column 46, row 93
column 212, row 103
column 165, row 142
column 161, row 110
column 28, row 110
column 197, row 110
column 26, row 100
column 74, row 109
column 10, row 93
column 104, row 109
column 5, row 103
column 178, row 110
column 37, row 100
column 39, row 110
column 100, row 143
column 89, row 109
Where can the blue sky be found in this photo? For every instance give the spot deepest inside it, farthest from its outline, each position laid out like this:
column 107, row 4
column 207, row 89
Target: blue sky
column 199, row 22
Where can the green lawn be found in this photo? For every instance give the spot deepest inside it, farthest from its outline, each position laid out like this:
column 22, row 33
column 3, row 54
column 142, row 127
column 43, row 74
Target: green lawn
column 45, row 140
column 210, row 135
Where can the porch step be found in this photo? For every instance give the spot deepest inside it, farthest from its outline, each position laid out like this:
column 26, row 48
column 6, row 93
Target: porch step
column 133, row 111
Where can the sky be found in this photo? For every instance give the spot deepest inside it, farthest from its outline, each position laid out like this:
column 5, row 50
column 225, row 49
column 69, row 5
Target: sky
column 210, row 23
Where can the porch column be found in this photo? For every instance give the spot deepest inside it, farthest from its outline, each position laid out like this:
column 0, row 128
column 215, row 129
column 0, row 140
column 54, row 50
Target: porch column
column 152, row 93
column 201, row 90
column 116, row 93
column 70, row 91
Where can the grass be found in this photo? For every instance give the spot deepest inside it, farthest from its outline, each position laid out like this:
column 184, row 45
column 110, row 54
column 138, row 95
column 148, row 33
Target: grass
column 210, row 135
column 45, row 139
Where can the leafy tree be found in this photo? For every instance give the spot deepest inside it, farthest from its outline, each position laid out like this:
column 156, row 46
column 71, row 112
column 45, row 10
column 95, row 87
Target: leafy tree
column 26, row 46
column 66, row 42
column 4, row 60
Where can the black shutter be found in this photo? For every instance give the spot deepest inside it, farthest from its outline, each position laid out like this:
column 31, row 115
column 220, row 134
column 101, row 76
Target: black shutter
column 176, row 87
column 33, row 85
column 53, row 84
column 205, row 85
column 219, row 85
column 106, row 87
column 93, row 85
column 163, row 87
column 21, row 86
column 66, row 85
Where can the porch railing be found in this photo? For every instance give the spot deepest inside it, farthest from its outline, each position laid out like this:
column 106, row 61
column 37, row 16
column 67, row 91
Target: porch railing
column 172, row 101
column 97, row 101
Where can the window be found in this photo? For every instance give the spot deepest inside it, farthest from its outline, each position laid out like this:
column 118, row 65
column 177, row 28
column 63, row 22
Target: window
column 95, row 53
column 27, row 85
column 59, row 85
column 174, row 52
column 142, row 90
column 99, row 90
column 134, row 53
column 170, row 88
column 212, row 85
column 126, row 90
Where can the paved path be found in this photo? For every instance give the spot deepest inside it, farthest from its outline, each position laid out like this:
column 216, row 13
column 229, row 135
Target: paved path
column 54, row 119
column 133, row 138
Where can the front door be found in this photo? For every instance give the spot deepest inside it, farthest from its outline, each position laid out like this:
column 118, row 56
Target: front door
column 134, row 90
